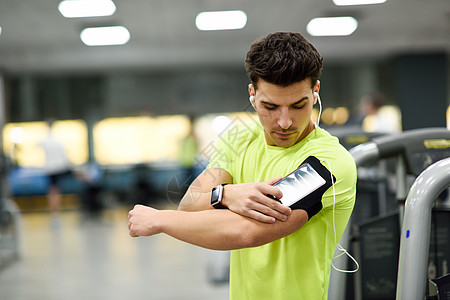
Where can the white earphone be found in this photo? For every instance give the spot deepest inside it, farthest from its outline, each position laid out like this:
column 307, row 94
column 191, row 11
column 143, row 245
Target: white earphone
column 317, row 97
column 252, row 101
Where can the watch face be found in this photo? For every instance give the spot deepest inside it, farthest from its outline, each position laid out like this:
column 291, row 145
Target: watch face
column 216, row 194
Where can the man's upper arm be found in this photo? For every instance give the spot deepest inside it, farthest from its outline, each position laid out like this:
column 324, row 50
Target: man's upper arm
column 198, row 195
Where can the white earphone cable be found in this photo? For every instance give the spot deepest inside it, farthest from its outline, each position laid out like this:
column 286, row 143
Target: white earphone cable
column 338, row 246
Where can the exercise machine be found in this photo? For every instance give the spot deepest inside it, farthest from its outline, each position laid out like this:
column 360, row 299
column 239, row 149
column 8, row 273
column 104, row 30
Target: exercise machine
column 412, row 151
column 9, row 213
column 416, row 228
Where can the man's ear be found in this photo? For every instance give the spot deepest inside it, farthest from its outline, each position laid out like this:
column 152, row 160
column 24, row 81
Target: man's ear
column 251, row 90
column 317, row 87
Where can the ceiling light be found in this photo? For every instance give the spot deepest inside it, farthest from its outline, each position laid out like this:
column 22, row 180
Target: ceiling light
column 103, row 36
column 333, row 26
column 221, row 20
column 357, row 2
column 86, row 8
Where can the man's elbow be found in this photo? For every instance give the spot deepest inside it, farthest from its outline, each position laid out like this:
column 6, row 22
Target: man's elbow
column 187, row 204
column 247, row 236
column 254, row 234
column 251, row 241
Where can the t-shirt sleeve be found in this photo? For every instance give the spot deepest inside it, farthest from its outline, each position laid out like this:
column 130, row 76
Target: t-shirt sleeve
column 344, row 169
column 221, row 155
column 227, row 152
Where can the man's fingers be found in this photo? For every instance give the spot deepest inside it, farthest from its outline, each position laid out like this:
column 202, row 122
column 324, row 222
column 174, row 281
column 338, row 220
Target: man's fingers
column 270, row 206
column 277, row 206
column 273, row 212
column 273, row 180
column 271, row 190
column 261, row 217
column 270, row 202
column 271, row 209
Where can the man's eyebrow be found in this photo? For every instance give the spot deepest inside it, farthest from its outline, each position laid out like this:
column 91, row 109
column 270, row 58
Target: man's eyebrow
column 276, row 105
column 299, row 101
column 268, row 103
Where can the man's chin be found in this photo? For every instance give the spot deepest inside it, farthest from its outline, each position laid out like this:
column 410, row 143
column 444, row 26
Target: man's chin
column 285, row 143
column 275, row 140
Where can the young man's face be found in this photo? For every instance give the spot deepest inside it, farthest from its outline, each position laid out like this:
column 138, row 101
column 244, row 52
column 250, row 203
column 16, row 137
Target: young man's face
column 284, row 112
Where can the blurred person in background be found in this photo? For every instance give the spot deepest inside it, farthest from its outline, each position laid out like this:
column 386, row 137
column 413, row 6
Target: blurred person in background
column 57, row 166
column 277, row 252
column 375, row 116
column 189, row 151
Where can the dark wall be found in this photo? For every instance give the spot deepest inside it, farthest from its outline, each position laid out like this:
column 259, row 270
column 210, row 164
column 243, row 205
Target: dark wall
column 422, row 89
column 406, row 81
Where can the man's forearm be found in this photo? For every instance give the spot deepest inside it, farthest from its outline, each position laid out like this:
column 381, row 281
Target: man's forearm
column 212, row 229
column 198, row 195
column 195, row 200
column 223, row 229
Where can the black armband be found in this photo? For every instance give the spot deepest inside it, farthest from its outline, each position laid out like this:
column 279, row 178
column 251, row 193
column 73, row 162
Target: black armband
column 304, row 187
column 311, row 206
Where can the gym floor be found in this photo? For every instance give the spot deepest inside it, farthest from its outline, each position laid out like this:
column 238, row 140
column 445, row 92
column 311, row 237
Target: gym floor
column 96, row 259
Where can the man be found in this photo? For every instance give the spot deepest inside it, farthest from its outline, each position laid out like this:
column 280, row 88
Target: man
column 57, row 166
column 278, row 253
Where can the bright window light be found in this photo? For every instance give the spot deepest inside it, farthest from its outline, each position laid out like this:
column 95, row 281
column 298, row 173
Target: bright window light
column 86, row 8
column 333, row 26
column 357, row 2
column 103, row 36
column 221, row 20
column 143, row 139
column 220, row 123
column 448, row 117
column 0, row 30
column 73, row 134
column 17, row 135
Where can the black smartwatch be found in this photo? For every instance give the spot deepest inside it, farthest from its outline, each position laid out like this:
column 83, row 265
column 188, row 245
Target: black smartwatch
column 216, row 196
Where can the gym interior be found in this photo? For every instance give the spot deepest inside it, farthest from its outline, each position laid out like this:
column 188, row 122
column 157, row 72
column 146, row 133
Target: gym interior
column 138, row 118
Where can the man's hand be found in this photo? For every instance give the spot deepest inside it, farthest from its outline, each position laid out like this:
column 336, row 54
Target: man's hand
column 142, row 221
column 251, row 200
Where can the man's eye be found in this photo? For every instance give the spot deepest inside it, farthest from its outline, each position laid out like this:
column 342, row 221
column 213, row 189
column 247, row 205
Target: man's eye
column 270, row 107
column 300, row 106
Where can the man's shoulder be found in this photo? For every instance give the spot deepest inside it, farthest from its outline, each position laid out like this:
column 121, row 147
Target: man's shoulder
column 326, row 145
column 325, row 140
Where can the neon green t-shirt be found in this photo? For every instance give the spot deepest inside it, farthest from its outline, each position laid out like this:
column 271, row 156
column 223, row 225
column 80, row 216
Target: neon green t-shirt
column 296, row 266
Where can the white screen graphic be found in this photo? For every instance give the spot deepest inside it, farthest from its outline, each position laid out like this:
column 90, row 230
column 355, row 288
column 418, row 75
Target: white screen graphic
column 299, row 184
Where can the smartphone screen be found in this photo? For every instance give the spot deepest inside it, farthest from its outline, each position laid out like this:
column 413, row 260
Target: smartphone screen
column 299, row 184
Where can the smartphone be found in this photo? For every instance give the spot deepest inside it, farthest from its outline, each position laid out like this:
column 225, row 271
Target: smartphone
column 310, row 179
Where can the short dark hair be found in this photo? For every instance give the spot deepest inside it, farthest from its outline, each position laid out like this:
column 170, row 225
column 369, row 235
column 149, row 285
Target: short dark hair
column 283, row 58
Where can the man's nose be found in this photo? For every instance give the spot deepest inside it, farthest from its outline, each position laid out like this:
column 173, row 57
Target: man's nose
column 284, row 120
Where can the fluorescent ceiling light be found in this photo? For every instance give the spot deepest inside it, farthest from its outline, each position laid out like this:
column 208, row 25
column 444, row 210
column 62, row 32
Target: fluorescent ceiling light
column 221, row 20
column 357, row 2
column 0, row 30
column 86, row 8
column 333, row 26
column 103, row 36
